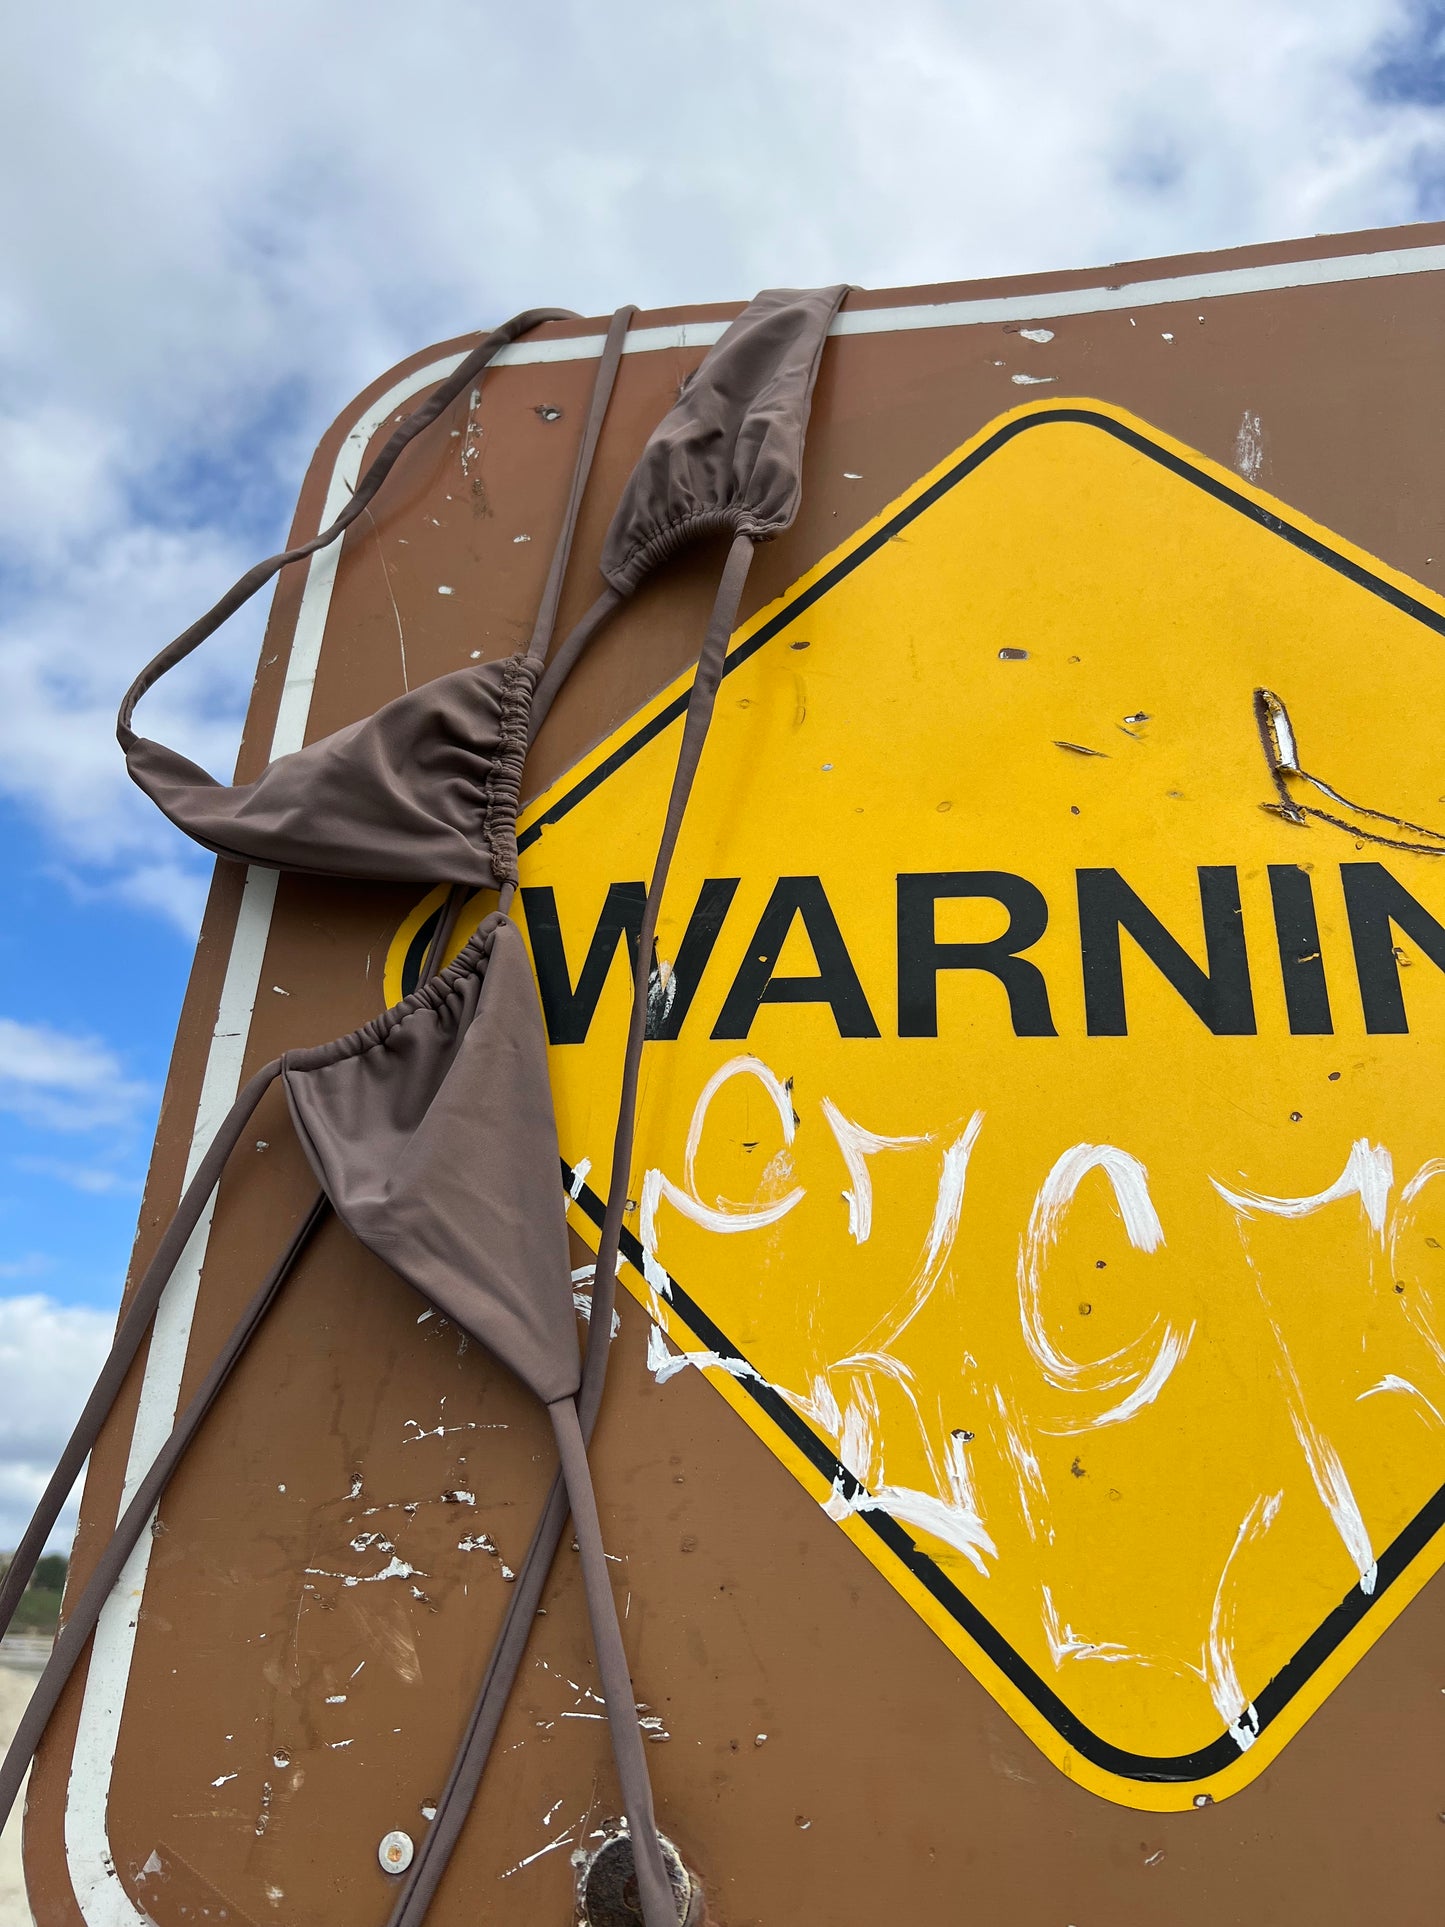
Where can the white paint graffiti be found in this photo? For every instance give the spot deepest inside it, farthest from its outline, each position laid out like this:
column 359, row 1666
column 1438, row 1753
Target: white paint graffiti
column 1368, row 1175
column 1402, row 1222
column 942, row 1233
column 954, row 1519
column 1065, row 1643
column 843, row 1400
column 665, row 1364
column 723, row 1216
column 1392, row 1382
column 1126, row 1366
column 857, row 1146
column 1220, row 1676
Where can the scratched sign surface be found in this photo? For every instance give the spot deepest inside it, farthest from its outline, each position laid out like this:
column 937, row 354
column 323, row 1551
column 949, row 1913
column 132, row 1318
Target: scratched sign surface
column 1040, row 1135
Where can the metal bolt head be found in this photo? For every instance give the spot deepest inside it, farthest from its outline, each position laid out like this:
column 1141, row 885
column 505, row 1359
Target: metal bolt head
column 607, row 1884
column 395, row 1851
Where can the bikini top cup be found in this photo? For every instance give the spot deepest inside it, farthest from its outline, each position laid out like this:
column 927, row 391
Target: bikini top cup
column 431, row 1131
column 424, row 791
column 726, row 459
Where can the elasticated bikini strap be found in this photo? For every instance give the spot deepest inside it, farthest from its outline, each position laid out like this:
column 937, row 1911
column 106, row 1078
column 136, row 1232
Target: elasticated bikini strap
column 85, row 1613
column 256, row 578
column 135, row 1322
column 659, row 1909
column 606, row 380
column 568, row 653
column 603, row 384
column 702, row 700
column 454, row 1803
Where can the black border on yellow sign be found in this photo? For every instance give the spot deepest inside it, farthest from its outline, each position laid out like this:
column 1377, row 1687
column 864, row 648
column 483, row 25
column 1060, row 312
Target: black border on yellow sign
column 1206, row 1761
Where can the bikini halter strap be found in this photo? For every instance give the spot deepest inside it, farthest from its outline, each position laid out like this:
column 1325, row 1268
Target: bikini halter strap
column 257, row 577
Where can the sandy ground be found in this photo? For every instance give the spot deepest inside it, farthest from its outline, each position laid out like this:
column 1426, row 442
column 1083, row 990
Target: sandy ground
column 15, row 1685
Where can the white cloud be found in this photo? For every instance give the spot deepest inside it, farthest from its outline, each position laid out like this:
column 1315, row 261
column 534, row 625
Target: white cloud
column 68, row 648
column 59, row 1082
column 49, row 1357
column 34, row 1265
column 230, row 219
column 95, row 1180
column 177, row 890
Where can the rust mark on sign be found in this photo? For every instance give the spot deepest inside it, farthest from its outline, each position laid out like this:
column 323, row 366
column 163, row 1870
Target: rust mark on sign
column 1281, row 752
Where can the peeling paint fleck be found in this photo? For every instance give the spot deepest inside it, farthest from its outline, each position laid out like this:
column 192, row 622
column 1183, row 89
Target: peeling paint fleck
column 394, row 1569
column 1249, row 446
column 562, row 1840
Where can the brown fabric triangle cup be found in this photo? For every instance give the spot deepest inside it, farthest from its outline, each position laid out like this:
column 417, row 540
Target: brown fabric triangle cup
column 424, row 791
column 431, row 1131
column 726, row 459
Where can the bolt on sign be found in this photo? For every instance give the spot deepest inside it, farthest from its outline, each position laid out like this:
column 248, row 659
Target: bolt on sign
column 1025, row 1427
column 1038, row 1144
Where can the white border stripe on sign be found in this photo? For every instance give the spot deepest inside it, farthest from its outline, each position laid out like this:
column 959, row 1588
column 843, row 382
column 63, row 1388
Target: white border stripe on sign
column 102, row 1900
column 995, row 309
column 98, row 1891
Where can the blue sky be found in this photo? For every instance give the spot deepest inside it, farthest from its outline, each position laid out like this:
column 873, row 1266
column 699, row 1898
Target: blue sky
column 228, row 220
column 72, row 1157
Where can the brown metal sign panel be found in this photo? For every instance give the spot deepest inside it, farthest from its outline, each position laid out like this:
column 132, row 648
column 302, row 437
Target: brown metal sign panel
column 1025, row 1440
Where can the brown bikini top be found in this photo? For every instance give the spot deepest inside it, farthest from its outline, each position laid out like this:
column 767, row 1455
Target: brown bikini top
column 431, row 1129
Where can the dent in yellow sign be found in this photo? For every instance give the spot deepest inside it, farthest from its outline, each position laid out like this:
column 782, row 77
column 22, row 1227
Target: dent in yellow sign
column 1039, row 1146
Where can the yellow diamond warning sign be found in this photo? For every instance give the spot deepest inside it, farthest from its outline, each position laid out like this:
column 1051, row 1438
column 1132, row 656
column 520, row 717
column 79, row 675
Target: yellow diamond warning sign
column 1041, row 1137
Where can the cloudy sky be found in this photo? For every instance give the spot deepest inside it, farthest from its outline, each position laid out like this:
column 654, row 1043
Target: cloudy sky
column 218, row 223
